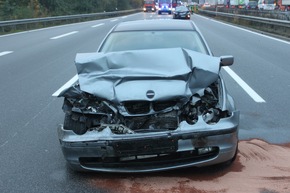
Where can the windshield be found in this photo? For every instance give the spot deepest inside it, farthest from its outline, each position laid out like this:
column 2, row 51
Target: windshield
column 181, row 8
column 138, row 40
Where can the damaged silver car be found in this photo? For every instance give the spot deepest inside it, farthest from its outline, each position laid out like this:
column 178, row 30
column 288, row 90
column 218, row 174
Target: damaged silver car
column 151, row 99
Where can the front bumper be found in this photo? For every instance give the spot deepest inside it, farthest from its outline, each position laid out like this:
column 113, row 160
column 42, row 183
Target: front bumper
column 189, row 145
column 181, row 16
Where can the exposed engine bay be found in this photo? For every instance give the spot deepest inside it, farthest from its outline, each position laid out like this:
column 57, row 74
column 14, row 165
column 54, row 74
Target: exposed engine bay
column 146, row 96
column 141, row 116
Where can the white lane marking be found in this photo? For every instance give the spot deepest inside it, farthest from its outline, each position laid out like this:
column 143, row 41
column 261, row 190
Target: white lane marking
column 242, row 83
column 100, row 24
column 114, row 20
column 3, row 144
column 39, row 113
column 245, row 86
column 15, row 134
column 43, row 29
column 63, row 35
column 54, row 27
column 246, row 30
column 66, row 85
column 5, row 53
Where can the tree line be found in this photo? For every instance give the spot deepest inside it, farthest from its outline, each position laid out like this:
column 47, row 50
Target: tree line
column 22, row 9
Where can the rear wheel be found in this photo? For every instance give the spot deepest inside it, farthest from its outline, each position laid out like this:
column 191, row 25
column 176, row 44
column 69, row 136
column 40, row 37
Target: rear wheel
column 74, row 125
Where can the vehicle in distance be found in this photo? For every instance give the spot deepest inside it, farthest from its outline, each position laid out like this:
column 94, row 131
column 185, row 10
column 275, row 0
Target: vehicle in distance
column 164, row 6
column 266, row 5
column 206, row 5
column 252, row 5
column 149, row 5
column 181, row 12
column 283, row 5
column 158, row 104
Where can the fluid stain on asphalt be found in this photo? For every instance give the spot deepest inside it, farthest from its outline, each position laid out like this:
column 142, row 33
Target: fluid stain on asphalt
column 259, row 167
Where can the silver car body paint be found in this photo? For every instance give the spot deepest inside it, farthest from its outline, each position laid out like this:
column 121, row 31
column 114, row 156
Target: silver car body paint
column 198, row 125
column 113, row 75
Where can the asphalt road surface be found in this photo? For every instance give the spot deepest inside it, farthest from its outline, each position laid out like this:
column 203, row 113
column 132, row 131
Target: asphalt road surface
column 35, row 64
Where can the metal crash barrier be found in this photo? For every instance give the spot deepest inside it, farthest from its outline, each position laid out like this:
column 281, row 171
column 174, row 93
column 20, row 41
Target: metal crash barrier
column 274, row 26
column 11, row 26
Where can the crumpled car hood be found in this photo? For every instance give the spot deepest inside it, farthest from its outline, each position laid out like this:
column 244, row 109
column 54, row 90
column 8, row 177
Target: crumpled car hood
column 157, row 74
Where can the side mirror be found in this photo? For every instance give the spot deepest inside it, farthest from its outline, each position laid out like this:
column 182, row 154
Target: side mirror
column 226, row 60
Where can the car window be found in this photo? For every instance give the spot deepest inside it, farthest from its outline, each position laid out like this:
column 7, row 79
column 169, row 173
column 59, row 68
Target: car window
column 138, row 40
column 181, row 8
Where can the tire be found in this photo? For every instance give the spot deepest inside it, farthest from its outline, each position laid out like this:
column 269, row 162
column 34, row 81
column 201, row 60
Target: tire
column 74, row 125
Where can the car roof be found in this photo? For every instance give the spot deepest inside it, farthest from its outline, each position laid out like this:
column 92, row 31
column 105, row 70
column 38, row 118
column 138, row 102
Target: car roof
column 155, row 24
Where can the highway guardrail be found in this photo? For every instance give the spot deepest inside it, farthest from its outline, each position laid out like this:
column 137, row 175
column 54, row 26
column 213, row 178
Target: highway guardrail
column 28, row 24
column 275, row 26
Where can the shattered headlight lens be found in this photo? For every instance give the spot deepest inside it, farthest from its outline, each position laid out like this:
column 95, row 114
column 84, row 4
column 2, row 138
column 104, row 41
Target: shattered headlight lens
column 204, row 105
column 211, row 116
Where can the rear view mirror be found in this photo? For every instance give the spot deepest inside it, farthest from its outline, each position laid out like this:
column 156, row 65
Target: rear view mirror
column 226, row 60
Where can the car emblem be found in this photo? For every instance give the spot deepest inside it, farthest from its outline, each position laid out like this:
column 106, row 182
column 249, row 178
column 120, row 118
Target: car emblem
column 150, row 94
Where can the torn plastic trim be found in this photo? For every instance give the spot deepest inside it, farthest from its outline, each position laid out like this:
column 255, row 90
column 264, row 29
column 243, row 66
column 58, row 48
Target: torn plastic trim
column 225, row 125
column 146, row 116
